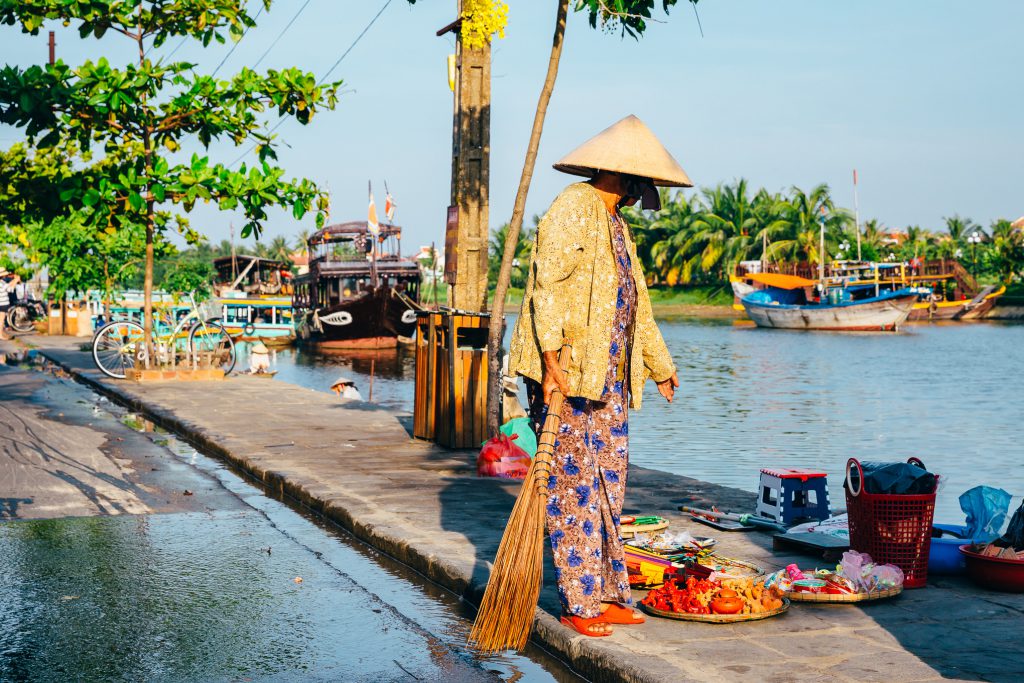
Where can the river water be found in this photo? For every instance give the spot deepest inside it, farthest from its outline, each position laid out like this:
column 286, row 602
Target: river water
column 946, row 393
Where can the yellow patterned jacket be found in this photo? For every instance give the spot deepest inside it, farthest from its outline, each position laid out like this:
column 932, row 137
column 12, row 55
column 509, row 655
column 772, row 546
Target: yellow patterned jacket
column 571, row 292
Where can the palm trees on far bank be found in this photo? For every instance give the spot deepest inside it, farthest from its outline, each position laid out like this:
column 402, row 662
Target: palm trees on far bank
column 699, row 238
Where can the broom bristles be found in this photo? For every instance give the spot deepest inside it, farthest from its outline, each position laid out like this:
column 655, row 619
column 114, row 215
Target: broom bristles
column 506, row 612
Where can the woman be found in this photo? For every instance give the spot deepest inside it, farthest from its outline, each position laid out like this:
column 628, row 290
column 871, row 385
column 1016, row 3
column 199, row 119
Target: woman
column 586, row 285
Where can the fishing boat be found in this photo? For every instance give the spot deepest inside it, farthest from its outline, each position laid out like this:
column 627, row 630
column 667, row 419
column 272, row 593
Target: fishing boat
column 359, row 293
column 793, row 303
column 946, row 290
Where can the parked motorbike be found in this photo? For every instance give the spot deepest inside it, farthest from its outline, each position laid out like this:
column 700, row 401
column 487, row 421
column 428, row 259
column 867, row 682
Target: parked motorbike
column 21, row 316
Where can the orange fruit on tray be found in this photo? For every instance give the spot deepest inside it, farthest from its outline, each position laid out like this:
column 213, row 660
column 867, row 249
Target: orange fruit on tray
column 731, row 605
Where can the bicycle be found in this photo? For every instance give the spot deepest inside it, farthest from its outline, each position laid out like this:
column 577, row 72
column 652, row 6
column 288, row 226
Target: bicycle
column 120, row 344
column 21, row 316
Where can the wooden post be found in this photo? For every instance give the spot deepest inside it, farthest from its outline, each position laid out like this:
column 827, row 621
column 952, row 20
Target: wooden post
column 471, row 152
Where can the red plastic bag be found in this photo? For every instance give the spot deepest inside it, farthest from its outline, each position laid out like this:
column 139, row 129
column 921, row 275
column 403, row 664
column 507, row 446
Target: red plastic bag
column 500, row 457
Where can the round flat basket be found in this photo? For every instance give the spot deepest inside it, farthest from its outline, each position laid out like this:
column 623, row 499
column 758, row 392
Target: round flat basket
column 716, row 618
column 734, row 569
column 630, row 530
column 845, row 599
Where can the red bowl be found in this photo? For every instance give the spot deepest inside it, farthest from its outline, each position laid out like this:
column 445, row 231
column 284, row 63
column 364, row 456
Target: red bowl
column 996, row 573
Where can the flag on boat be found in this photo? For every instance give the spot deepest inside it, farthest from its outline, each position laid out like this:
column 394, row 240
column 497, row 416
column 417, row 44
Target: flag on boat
column 371, row 218
column 389, row 207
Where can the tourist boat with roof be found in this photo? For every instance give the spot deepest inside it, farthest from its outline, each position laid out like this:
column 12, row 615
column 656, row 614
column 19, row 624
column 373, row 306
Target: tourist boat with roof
column 253, row 298
column 359, row 293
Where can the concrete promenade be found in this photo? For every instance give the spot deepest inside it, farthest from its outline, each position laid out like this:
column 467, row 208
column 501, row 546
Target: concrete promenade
column 357, row 465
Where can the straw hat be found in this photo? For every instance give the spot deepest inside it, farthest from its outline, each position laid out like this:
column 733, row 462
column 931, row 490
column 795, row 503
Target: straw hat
column 630, row 147
column 260, row 347
column 342, row 381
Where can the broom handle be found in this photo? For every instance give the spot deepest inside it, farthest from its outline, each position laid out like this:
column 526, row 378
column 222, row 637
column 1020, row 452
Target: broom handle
column 546, row 446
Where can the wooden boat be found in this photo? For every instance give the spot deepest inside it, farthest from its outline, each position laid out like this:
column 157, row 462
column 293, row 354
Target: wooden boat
column 937, row 308
column 787, row 302
column 245, row 276
column 947, row 291
column 265, row 319
column 359, row 292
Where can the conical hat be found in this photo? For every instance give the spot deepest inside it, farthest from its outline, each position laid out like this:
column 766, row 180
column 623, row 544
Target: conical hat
column 626, row 147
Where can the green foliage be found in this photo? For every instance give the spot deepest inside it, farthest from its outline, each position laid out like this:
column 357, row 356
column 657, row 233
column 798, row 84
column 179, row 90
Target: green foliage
column 524, row 250
column 78, row 258
column 189, row 275
column 629, row 16
column 135, row 118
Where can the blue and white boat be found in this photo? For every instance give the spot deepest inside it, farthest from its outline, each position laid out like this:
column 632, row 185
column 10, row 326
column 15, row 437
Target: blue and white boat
column 266, row 319
column 795, row 303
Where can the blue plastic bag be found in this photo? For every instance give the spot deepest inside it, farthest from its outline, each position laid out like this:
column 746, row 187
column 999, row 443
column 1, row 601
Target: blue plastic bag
column 986, row 509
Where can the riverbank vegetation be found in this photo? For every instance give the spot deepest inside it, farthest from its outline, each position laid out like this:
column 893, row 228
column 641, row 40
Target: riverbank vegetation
column 689, row 248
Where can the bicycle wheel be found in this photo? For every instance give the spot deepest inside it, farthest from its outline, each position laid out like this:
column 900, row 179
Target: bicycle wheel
column 211, row 338
column 115, row 347
column 19, row 318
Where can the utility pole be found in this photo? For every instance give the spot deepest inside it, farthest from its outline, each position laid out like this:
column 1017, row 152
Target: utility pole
column 471, row 151
column 53, row 49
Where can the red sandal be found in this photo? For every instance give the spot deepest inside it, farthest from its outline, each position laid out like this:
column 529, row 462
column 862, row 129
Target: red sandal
column 617, row 614
column 582, row 626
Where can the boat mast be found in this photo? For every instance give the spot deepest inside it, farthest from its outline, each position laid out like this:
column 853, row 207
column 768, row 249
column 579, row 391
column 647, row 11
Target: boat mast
column 372, row 229
column 856, row 212
column 821, row 254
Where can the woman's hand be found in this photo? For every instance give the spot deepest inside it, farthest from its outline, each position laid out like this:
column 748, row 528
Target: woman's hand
column 668, row 387
column 553, row 377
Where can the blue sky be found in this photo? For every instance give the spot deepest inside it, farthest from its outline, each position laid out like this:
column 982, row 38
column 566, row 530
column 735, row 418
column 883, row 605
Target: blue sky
column 924, row 97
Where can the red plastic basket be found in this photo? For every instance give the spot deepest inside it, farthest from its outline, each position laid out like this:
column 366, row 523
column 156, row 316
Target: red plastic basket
column 892, row 529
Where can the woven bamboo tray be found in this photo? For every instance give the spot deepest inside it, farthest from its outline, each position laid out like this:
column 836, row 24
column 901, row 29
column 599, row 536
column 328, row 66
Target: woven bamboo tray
column 845, row 599
column 754, row 570
column 716, row 618
column 630, row 530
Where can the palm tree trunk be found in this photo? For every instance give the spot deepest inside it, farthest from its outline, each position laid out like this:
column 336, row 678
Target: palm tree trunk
column 497, row 323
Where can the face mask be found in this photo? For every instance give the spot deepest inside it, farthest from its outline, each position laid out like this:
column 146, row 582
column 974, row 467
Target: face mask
column 645, row 191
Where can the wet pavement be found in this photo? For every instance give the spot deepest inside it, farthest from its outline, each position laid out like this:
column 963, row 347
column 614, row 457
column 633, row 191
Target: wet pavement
column 213, row 581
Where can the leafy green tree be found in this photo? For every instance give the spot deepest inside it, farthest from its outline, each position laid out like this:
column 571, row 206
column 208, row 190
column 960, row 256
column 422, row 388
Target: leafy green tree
column 524, row 250
column 1005, row 251
column 139, row 115
column 960, row 228
column 190, row 275
column 78, row 258
column 280, row 249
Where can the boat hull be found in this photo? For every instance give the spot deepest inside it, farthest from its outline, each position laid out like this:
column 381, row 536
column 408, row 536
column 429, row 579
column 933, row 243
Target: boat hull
column 373, row 321
column 874, row 315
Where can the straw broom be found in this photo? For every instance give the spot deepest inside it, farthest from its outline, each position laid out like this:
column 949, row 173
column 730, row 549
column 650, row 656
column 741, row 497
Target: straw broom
column 506, row 613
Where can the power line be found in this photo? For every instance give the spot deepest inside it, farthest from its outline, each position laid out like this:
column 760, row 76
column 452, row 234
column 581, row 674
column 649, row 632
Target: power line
column 355, row 42
column 324, row 77
column 177, row 47
column 279, row 35
column 237, row 42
